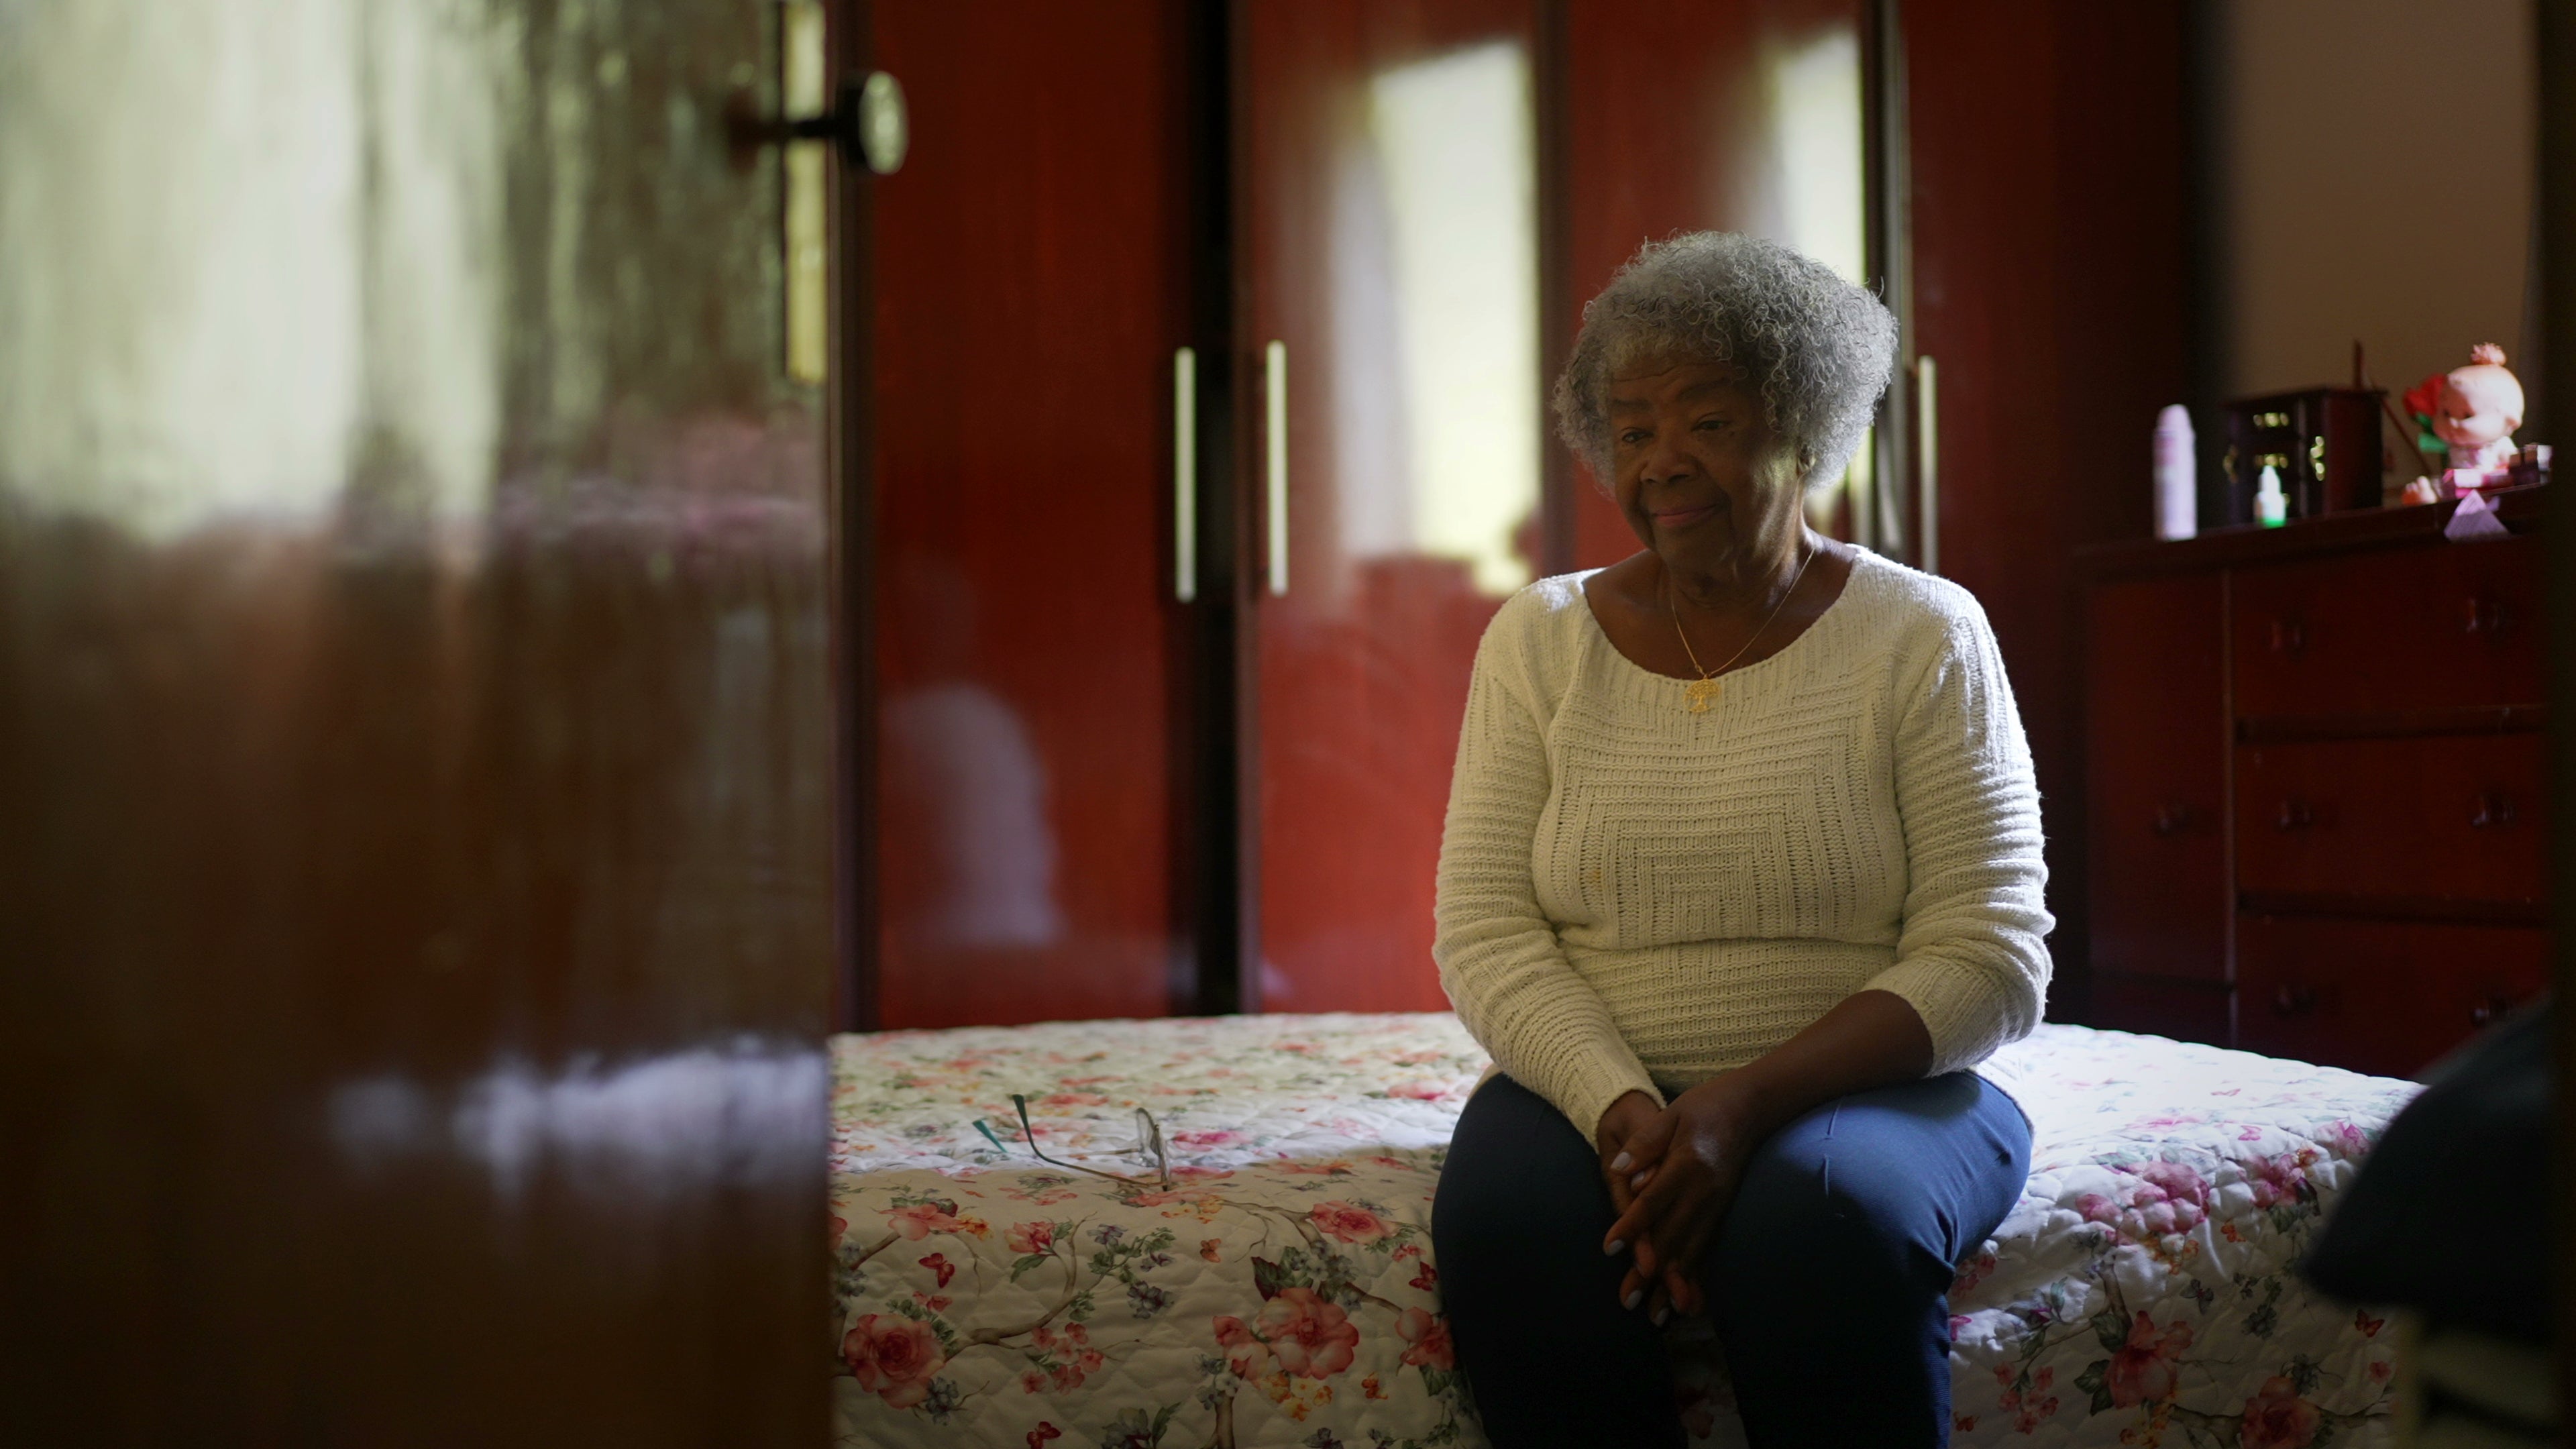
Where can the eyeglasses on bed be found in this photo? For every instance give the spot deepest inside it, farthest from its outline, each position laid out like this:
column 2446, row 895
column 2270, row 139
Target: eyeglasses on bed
column 1149, row 1146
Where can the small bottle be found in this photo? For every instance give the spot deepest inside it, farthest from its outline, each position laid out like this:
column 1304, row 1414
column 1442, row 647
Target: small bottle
column 2176, row 474
column 2271, row 506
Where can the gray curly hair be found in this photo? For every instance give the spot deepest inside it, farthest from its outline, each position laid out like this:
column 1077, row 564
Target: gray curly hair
column 1817, row 348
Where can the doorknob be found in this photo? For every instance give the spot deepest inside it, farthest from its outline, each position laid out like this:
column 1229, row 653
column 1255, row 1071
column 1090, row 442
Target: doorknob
column 867, row 123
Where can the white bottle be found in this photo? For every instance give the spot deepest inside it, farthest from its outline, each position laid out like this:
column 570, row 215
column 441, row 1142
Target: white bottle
column 2271, row 506
column 2177, row 474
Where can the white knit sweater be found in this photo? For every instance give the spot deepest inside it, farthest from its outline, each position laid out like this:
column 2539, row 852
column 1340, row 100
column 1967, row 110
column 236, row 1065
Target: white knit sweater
column 1636, row 897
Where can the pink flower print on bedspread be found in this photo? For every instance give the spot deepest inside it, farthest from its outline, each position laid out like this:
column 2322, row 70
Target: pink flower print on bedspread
column 1313, row 1338
column 893, row 1358
column 1298, row 1341
column 2026, row 1397
column 1069, row 1348
column 2164, row 1201
column 919, row 1220
column 1427, row 1338
column 1245, row 1354
column 1350, row 1222
column 2146, row 1368
column 2278, row 1418
column 2280, row 1180
column 1297, row 1332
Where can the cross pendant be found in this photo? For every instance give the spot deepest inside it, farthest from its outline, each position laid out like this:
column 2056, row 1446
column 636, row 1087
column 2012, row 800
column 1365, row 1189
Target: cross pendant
column 1699, row 692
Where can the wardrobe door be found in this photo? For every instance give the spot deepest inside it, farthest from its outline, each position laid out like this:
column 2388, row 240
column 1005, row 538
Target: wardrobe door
column 2049, row 218
column 1391, row 383
column 1031, row 285
column 1682, row 116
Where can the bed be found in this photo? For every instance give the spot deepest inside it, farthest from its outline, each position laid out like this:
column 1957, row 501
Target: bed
column 1281, row 1290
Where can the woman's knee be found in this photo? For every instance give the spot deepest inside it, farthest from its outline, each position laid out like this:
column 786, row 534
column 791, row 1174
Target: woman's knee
column 1858, row 1211
column 1518, row 1180
column 1472, row 1219
column 1528, row 1221
column 1830, row 1247
column 1813, row 1228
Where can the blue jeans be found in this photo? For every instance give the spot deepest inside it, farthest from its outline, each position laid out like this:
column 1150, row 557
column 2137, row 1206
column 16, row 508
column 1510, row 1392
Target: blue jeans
column 1828, row 1280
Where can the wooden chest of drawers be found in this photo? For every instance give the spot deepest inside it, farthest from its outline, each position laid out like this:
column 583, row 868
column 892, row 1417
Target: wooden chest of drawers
column 2315, row 782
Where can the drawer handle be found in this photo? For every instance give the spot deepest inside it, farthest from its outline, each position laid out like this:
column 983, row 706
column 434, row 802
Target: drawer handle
column 2172, row 819
column 2289, row 634
column 2293, row 1001
column 2294, row 815
column 2488, row 616
column 2489, row 1009
column 2495, row 808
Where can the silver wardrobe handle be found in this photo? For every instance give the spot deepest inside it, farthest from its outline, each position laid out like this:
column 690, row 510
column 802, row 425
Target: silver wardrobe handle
column 1274, row 436
column 1185, row 474
column 1927, row 461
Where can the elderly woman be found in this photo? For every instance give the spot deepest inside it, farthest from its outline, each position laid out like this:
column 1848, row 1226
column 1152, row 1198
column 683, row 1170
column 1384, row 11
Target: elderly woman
column 1741, row 877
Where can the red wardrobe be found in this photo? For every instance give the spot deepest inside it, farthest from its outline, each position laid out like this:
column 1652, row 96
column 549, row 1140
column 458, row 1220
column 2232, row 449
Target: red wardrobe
column 1031, row 279
column 1210, row 356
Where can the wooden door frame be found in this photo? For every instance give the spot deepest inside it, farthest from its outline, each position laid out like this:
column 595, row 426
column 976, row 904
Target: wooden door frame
column 1216, row 896
column 1234, row 984
column 850, row 433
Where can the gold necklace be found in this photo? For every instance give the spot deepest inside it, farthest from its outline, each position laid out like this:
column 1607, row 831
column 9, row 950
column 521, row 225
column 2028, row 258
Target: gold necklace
column 1705, row 688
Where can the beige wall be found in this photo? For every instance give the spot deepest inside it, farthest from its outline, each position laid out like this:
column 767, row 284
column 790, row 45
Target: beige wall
column 2374, row 173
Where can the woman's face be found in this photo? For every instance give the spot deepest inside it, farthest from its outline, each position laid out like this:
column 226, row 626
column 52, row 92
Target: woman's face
column 1701, row 476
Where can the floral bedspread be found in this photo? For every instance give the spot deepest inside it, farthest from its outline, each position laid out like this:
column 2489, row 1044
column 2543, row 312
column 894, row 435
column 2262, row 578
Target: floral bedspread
column 1281, row 1289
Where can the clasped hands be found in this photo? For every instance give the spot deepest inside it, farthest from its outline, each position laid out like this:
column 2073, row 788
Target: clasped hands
column 1672, row 1173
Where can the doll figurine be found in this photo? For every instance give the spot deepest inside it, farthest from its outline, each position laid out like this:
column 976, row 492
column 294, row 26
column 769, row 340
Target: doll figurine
column 2472, row 412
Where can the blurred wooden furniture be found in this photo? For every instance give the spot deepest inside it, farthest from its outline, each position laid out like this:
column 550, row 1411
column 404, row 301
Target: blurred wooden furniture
column 2315, row 780
column 417, row 739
